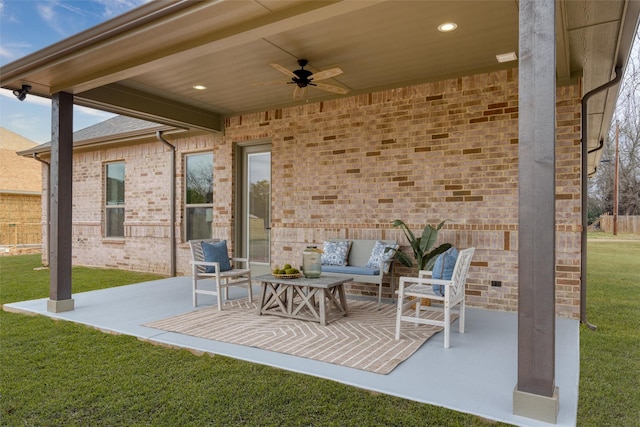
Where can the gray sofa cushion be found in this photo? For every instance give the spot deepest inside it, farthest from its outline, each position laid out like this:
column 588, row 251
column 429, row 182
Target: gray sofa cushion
column 363, row 271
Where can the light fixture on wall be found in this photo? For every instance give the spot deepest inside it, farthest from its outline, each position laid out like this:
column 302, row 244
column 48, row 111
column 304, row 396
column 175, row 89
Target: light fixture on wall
column 199, row 87
column 21, row 94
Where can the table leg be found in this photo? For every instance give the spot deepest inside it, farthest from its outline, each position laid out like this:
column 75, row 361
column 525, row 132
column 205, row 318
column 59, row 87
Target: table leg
column 337, row 298
column 277, row 298
column 263, row 294
column 323, row 308
column 290, row 295
column 343, row 298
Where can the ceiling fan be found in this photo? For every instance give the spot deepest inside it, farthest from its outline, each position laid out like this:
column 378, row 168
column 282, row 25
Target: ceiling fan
column 304, row 78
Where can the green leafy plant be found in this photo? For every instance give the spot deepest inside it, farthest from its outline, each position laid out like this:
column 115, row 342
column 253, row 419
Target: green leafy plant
column 422, row 246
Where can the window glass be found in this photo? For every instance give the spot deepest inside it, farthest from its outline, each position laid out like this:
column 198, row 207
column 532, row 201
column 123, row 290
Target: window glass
column 115, row 222
column 199, row 196
column 115, row 184
column 199, row 179
column 199, row 223
column 114, row 200
column 259, row 205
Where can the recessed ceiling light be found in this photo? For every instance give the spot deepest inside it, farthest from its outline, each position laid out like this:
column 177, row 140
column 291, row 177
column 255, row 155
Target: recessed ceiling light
column 507, row 57
column 199, row 87
column 447, row 26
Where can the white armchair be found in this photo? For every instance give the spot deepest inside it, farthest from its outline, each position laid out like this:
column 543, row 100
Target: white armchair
column 203, row 269
column 422, row 287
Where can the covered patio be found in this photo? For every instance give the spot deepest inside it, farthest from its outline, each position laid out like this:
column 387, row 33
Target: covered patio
column 419, row 124
column 476, row 375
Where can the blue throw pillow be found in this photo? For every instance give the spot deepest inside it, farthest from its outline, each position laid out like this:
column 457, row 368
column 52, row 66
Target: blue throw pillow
column 336, row 253
column 443, row 268
column 216, row 252
column 380, row 254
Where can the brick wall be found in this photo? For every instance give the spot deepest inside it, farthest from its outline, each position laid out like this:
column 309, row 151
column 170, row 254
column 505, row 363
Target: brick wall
column 145, row 246
column 447, row 150
column 346, row 168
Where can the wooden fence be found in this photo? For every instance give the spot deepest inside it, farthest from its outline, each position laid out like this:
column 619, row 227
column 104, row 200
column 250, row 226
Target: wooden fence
column 12, row 234
column 20, row 219
column 626, row 224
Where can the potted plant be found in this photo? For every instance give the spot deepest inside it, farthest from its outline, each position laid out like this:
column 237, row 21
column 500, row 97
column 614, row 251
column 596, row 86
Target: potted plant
column 422, row 246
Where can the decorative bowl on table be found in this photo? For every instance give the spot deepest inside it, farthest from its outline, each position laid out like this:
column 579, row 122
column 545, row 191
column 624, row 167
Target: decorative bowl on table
column 287, row 272
column 287, row 276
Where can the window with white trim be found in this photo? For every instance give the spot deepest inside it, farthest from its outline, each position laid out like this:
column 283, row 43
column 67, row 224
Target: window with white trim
column 114, row 200
column 198, row 196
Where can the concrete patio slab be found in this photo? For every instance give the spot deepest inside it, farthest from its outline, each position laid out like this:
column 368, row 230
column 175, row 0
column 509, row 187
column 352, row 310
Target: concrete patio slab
column 476, row 375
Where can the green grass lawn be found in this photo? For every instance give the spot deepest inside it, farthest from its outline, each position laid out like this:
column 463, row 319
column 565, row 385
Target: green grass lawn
column 610, row 356
column 600, row 235
column 56, row 373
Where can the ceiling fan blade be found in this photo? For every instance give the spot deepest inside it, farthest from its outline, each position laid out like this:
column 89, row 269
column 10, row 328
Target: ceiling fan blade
column 283, row 70
column 274, row 83
column 331, row 88
column 299, row 92
column 326, row 74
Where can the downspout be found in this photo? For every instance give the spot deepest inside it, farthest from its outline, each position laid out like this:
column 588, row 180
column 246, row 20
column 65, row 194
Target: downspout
column 172, row 199
column 598, row 148
column 583, row 244
column 47, row 165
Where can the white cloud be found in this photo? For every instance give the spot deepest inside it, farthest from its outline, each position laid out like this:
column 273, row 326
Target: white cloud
column 45, row 10
column 5, row 15
column 6, row 53
column 103, row 115
column 48, row 15
column 118, row 7
column 12, row 51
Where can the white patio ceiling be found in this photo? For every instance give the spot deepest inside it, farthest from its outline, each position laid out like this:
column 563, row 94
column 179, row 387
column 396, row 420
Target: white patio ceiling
column 145, row 63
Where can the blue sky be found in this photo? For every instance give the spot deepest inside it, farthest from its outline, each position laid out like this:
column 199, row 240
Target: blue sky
column 27, row 26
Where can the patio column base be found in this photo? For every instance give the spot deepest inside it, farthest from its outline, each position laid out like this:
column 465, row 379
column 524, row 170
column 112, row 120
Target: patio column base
column 58, row 306
column 536, row 406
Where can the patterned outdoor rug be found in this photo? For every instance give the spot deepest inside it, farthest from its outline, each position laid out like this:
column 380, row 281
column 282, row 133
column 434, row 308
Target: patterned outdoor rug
column 362, row 340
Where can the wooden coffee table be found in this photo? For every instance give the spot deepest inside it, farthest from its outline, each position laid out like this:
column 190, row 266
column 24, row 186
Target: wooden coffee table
column 316, row 300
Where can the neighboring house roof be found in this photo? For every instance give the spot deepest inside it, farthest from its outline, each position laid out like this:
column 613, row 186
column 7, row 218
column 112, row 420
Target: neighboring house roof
column 112, row 130
column 118, row 125
column 17, row 174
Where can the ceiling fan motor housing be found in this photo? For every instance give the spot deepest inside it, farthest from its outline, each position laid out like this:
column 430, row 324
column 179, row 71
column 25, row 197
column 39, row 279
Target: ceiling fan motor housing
column 302, row 77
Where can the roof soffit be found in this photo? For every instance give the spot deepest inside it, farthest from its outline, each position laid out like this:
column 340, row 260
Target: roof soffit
column 386, row 57
column 203, row 29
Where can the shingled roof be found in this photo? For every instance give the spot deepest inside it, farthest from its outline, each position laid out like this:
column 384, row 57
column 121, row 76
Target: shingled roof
column 116, row 128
